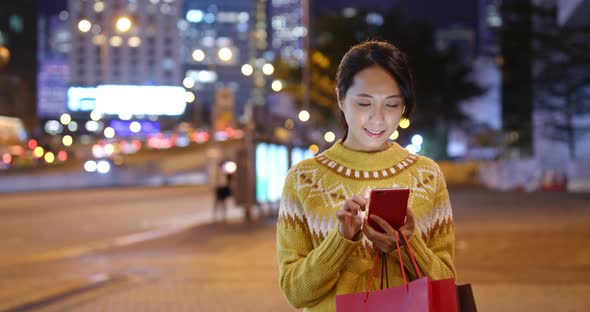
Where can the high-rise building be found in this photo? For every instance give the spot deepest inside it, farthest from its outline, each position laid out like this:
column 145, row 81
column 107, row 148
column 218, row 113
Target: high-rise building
column 288, row 30
column 488, row 23
column 125, row 42
column 223, row 52
column 53, row 48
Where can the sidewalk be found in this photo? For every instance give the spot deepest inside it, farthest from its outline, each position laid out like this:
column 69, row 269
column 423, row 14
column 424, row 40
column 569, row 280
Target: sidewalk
column 212, row 267
column 506, row 247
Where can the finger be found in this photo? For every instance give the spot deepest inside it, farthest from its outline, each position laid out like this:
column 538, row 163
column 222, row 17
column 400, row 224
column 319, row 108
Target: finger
column 373, row 234
column 382, row 223
column 350, row 205
column 366, row 194
column 342, row 215
column 361, row 202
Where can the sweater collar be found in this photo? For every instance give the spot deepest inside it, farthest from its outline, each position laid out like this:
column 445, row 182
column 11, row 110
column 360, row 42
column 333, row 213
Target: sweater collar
column 366, row 161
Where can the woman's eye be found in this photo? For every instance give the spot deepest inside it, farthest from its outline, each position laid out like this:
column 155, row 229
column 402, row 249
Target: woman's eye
column 393, row 105
column 364, row 104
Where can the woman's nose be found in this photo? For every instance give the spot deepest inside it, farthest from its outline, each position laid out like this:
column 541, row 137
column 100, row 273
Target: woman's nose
column 377, row 114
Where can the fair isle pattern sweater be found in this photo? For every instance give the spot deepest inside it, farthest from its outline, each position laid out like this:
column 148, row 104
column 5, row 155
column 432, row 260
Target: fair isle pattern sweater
column 316, row 263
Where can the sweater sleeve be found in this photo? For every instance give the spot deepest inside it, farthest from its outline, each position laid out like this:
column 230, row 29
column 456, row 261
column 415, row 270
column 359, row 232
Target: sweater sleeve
column 306, row 274
column 435, row 256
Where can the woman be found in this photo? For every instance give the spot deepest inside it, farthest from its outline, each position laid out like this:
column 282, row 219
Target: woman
column 325, row 245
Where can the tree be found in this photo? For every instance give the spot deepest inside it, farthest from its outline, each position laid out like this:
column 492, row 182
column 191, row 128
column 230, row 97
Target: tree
column 561, row 77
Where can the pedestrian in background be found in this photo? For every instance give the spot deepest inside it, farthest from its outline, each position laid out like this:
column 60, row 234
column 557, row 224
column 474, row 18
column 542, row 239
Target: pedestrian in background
column 325, row 245
column 222, row 191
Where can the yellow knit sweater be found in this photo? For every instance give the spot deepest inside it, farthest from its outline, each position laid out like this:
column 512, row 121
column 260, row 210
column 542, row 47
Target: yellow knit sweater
column 316, row 263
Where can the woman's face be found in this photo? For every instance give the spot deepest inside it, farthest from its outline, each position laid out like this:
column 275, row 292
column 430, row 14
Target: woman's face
column 373, row 107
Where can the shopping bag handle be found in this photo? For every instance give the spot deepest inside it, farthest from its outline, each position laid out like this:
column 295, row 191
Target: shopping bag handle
column 411, row 254
column 371, row 276
column 396, row 235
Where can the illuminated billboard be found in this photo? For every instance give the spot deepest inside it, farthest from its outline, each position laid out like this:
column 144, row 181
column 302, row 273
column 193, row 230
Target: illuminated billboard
column 128, row 100
column 81, row 99
column 299, row 154
column 125, row 128
column 140, row 100
column 271, row 171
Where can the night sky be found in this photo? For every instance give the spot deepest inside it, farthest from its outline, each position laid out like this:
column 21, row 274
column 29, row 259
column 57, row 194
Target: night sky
column 441, row 13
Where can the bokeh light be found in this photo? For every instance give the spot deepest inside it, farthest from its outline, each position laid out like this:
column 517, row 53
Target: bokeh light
column 314, row 149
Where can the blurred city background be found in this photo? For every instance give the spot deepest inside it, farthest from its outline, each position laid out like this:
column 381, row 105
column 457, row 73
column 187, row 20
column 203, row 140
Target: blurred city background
column 117, row 115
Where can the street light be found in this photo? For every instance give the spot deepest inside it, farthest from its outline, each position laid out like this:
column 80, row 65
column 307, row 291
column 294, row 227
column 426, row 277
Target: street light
column 98, row 6
column 417, row 140
column 304, row 115
column 109, row 132
column 95, row 115
column 198, row 55
column 84, row 25
column 314, row 149
column 225, row 54
column 190, row 97
column 65, row 119
column 116, row 41
column 134, row 42
column 188, row 82
column 277, row 85
column 329, row 137
column 67, row 140
column 247, row 69
column 394, row 135
column 123, row 24
column 404, row 123
column 268, row 69
column 135, row 127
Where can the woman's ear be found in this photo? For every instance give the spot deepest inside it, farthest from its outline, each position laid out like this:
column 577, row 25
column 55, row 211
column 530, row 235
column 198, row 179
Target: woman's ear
column 339, row 99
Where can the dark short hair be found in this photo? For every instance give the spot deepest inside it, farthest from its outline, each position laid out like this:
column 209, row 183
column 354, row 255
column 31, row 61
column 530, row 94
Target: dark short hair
column 376, row 53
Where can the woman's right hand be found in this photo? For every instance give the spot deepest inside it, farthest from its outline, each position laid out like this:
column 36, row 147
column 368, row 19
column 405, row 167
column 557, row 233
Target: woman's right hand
column 350, row 216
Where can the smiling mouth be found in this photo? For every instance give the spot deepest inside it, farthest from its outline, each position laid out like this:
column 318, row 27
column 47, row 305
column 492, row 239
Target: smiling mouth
column 374, row 133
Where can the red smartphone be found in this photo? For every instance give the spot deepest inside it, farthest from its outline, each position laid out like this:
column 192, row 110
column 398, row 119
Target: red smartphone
column 390, row 204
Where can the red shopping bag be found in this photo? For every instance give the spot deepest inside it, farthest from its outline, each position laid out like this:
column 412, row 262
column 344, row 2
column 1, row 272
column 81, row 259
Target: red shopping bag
column 420, row 295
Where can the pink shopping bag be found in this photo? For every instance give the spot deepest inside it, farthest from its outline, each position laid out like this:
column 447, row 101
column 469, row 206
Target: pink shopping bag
column 420, row 295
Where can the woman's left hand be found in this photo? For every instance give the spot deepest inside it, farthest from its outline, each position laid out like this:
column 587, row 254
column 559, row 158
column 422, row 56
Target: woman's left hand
column 386, row 241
